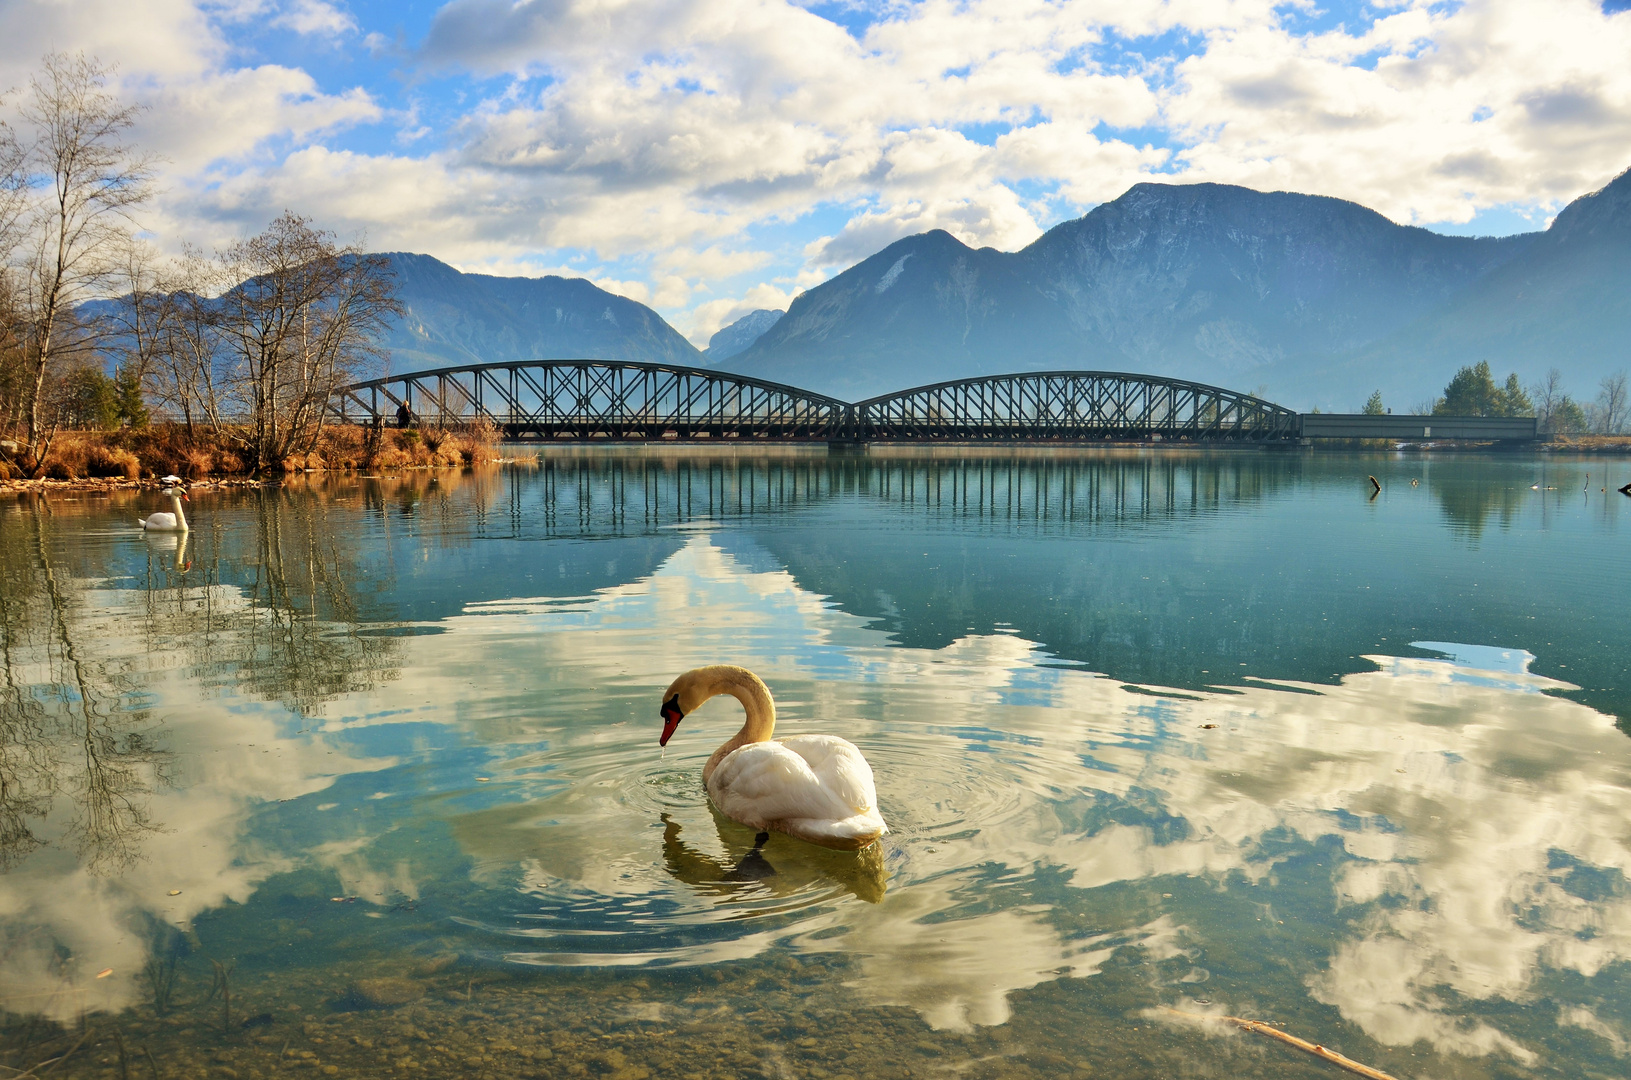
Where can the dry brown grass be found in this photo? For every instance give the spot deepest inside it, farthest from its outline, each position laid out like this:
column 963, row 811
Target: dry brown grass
column 165, row 448
column 1591, row 443
column 80, row 454
column 112, row 461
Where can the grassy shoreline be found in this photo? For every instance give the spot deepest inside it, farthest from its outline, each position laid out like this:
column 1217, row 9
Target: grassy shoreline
column 126, row 459
column 134, row 456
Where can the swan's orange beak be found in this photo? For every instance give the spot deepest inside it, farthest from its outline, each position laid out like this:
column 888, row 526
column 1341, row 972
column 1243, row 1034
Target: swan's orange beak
column 671, row 718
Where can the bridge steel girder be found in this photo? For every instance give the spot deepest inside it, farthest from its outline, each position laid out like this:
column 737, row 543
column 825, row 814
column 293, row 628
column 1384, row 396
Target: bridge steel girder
column 599, row 399
column 1417, row 428
column 1069, row 406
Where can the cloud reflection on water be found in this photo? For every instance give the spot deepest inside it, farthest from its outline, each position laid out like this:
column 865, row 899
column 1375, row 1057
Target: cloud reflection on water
column 1451, row 791
column 1480, row 819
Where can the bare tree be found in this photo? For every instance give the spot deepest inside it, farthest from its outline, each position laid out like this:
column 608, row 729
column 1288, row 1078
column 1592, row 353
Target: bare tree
column 13, row 379
column 81, row 183
column 1613, row 404
column 13, row 185
column 13, row 188
column 301, row 321
column 140, row 323
column 1548, row 394
column 184, row 372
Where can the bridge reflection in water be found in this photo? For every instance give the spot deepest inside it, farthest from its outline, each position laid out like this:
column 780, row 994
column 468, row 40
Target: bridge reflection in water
column 618, row 495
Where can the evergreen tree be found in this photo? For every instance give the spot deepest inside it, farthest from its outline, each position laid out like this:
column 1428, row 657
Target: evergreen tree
column 1568, row 417
column 88, row 400
column 1373, row 406
column 127, row 389
column 1473, row 393
column 1513, row 401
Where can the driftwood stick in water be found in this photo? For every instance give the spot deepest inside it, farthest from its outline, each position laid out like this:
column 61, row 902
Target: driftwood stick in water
column 1257, row 1027
column 1376, row 485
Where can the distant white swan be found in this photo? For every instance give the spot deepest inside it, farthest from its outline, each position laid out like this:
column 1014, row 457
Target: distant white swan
column 172, row 522
column 814, row 787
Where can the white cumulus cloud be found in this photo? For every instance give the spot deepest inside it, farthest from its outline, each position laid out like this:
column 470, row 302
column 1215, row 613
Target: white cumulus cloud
column 706, row 149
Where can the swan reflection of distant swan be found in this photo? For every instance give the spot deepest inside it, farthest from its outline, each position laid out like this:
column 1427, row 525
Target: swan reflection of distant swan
column 173, row 544
column 788, row 869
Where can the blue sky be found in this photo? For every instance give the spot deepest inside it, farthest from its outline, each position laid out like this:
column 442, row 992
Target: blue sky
column 713, row 156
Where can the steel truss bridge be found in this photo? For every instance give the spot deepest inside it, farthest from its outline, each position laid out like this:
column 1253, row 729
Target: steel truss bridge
column 627, row 400
column 619, row 400
column 1069, row 406
column 597, row 399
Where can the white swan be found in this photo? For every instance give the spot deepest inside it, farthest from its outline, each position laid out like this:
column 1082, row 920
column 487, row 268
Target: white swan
column 815, row 787
column 172, row 522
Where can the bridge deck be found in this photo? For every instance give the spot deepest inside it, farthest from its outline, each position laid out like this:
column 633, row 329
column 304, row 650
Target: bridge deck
column 1365, row 426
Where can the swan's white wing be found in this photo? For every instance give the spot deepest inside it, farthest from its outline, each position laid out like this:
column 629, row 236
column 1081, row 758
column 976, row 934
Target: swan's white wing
column 160, row 521
column 765, row 782
column 839, row 767
column 807, row 778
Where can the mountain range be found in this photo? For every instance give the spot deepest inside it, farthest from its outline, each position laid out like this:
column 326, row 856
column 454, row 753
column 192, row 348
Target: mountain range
column 1310, row 300
column 452, row 318
column 740, row 334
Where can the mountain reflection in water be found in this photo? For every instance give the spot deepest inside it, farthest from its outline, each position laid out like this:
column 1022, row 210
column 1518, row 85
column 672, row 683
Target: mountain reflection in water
column 1415, row 849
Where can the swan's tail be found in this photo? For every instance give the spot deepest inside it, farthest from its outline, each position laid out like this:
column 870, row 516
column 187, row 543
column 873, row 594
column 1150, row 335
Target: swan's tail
column 851, row 833
column 141, row 523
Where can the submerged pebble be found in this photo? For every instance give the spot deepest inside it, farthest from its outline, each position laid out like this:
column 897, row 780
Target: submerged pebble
column 386, row 992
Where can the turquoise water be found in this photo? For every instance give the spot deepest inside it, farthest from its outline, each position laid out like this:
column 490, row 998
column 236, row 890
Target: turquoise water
column 363, row 777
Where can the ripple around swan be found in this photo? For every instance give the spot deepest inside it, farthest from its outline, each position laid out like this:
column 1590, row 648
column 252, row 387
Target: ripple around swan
column 625, row 862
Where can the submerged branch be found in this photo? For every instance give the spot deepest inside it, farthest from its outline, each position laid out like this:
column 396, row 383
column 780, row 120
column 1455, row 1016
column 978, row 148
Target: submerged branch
column 1257, row 1027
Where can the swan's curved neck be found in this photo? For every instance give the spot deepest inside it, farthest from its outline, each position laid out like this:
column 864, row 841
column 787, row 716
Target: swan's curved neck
column 750, row 690
column 181, row 515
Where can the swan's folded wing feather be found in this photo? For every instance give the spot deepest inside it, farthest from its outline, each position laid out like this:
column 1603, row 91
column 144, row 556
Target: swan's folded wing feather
column 840, row 769
column 764, row 782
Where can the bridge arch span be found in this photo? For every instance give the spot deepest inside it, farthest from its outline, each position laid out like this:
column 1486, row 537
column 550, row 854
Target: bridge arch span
column 598, row 399
column 1070, row 405
column 634, row 400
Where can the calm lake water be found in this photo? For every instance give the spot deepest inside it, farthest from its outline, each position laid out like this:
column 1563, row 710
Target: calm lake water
column 362, row 778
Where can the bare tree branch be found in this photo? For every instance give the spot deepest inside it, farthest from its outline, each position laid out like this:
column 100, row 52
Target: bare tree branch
column 301, row 321
column 78, row 182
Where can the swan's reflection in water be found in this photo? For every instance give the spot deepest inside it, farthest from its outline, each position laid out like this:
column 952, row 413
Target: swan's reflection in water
column 777, row 865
